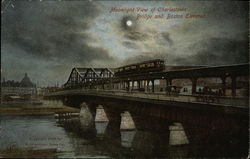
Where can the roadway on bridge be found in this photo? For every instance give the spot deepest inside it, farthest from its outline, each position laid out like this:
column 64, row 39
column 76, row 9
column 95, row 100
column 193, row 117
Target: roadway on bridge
column 239, row 102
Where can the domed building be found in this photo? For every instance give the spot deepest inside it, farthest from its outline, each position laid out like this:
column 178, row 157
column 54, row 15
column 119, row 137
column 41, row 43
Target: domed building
column 26, row 82
column 25, row 87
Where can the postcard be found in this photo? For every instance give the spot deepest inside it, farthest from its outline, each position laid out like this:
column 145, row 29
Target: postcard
column 124, row 79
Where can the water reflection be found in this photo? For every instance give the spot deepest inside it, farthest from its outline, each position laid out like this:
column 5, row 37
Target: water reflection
column 101, row 121
column 36, row 133
column 101, row 128
column 86, row 117
column 127, row 138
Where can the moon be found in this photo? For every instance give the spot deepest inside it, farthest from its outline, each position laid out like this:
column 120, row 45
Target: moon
column 129, row 23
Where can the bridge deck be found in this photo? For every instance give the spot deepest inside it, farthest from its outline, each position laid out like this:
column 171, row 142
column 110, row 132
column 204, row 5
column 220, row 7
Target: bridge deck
column 236, row 102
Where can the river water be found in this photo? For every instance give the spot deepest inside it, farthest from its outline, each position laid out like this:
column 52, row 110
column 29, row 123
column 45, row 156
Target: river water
column 82, row 138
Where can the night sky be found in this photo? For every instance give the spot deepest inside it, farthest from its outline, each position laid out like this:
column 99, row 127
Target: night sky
column 47, row 39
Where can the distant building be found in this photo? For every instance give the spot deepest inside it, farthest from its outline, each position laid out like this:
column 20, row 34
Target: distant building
column 25, row 87
column 26, row 82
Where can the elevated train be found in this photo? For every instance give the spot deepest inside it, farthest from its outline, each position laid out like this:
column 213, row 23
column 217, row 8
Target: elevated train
column 156, row 65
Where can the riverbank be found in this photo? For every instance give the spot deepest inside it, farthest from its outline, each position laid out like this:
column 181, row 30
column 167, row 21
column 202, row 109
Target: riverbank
column 37, row 110
column 18, row 153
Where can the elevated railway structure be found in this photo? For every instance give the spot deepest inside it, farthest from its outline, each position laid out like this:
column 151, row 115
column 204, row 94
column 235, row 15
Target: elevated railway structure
column 105, row 78
column 140, row 85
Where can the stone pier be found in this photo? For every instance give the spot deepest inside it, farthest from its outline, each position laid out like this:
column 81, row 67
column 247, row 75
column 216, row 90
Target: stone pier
column 177, row 135
column 101, row 115
column 127, row 122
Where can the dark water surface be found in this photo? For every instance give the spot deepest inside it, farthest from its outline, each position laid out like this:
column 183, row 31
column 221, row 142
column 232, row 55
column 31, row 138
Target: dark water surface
column 153, row 138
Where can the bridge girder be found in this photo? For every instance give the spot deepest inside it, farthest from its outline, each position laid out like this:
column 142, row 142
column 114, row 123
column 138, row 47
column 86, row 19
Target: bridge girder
column 99, row 76
column 85, row 76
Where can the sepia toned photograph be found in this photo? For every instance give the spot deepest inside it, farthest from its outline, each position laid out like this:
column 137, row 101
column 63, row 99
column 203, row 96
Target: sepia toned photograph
column 107, row 79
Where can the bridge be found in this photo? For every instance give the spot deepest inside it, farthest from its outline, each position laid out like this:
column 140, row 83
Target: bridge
column 140, row 87
column 94, row 77
column 135, row 102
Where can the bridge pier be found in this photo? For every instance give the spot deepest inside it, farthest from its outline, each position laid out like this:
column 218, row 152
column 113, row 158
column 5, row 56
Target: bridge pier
column 177, row 135
column 127, row 123
column 101, row 114
column 101, row 120
column 86, row 117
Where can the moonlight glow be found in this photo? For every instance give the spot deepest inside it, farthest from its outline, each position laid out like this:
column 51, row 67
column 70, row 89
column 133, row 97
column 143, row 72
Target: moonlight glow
column 129, row 23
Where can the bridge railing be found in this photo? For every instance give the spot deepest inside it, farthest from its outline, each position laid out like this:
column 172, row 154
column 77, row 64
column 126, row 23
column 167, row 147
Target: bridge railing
column 227, row 101
column 233, row 101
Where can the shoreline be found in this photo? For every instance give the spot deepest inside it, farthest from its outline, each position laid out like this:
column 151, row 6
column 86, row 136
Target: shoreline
column 37, row 110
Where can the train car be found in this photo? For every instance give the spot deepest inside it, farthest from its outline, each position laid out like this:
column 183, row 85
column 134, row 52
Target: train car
column 156, row 65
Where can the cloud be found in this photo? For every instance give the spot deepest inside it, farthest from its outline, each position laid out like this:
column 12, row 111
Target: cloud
column 54, row 31
column 210, row 51
column 220, row 51
column 57, row 36
column 144, row 56
column 135, row 35
column 166, row 37
column 130, row 45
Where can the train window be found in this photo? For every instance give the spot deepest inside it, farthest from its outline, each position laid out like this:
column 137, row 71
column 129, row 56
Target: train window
column 127, row 68
column 133, row 67
column 142, row 65
column 116, row 71
column 121, row 69
column 151, row 65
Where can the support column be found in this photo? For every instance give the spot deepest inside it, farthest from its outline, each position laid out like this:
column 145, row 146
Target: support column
column 194, row 84
column 123, row 85
column 111, row 85
column 148, row 85
column 233, row 85
column 139, row 84
column 168, row 83
column 128, row 86
column 120, row 85
column 223, row 79
column 153, row 86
